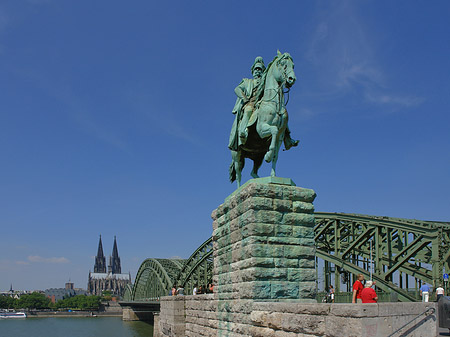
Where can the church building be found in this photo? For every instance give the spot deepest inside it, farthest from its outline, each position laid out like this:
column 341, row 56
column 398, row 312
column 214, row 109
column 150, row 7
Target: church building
column 108, row 280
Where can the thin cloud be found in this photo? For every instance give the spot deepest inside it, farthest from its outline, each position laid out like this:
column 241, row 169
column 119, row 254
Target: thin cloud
column 24, row 263
column 406, row 101
column 40, row 259
column 342, row 50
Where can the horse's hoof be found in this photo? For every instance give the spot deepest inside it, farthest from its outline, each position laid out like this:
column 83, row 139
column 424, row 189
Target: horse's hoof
column 268, row 157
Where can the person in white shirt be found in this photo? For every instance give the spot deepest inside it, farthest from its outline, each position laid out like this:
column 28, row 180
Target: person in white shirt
column 439, row 292
column 194, row 292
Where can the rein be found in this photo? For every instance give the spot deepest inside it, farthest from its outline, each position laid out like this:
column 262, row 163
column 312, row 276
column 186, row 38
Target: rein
column 280, row 89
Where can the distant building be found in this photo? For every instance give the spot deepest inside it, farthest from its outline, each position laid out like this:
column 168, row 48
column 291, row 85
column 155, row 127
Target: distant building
column 112, row 280
column 56, row 294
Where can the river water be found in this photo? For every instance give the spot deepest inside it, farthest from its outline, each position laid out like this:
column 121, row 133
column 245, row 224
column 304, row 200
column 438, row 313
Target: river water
column 73, row 327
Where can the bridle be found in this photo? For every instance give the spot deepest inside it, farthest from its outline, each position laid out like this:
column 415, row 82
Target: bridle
column 283, row 83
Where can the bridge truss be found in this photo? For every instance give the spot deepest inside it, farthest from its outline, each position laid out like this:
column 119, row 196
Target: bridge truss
column 397, row 253
column 394, row 252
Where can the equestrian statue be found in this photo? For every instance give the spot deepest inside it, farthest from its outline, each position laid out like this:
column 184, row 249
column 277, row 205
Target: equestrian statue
column 261, row 122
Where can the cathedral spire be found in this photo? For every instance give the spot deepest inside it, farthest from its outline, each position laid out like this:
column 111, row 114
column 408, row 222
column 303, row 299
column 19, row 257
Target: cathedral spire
column 100, row 262
column 114, row 261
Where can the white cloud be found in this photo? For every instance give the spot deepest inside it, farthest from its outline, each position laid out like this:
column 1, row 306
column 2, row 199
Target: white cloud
column 397, row 100
column 40, row 259
column 345, row 56
column 25, row 263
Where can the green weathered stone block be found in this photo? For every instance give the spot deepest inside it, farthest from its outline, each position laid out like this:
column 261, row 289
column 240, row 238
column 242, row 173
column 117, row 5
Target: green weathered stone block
column 298, row 219
column 303, row 232
column 283, row 230
column 300, row 275
column 284, row 290
column 255, row 290
column 268, row 191
column 285, row 263
column 271, row 217
column 258, row 203
column 264, row 274
column 282, row 240
column 307, row 289
column 264, row 250
column 266, row 262
column 298, row 251
column 258, row 229
column 280, row 205
column 302, row 207
column 307, row 262
column 299, row 194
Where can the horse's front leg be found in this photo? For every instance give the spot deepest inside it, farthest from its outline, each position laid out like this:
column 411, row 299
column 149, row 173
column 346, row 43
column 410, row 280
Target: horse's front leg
column 265, row 130
column 257, row 161
column 275, row 157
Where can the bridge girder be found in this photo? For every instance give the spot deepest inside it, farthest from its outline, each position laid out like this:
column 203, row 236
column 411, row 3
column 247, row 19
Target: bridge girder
column 416, row 248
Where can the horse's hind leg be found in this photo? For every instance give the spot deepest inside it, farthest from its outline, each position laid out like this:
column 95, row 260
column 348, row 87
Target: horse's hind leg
column 257, row 161
column 239, row 162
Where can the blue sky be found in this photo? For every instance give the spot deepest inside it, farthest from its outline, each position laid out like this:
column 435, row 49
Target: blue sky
column 115, row 117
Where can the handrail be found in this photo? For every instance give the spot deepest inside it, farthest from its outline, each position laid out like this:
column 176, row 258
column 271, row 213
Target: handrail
column 432, row 311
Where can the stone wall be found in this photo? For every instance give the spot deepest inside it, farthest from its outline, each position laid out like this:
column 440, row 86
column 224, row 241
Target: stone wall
column 264, row 277
column 200, row 317
column 263, row 242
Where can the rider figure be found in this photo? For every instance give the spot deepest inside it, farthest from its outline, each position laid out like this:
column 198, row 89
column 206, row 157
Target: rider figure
column 247, row 93
column 245, row 103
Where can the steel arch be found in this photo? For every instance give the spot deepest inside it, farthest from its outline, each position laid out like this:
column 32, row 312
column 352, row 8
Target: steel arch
column 198, row 269
column 155, row 278
column 127, row 296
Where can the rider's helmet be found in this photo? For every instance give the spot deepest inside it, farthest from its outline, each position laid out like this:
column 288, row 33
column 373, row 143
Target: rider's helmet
column 259, row 63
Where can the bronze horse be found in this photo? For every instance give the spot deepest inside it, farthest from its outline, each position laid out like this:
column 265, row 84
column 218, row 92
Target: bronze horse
column 267, row 126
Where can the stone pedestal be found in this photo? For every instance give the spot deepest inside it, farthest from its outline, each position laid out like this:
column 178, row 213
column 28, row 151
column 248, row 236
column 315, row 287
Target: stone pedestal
column 264, row 243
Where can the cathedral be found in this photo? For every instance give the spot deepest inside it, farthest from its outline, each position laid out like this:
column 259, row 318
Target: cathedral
column 112, row 280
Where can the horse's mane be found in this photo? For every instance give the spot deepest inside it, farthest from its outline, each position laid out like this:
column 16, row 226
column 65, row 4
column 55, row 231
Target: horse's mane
column 262, row 84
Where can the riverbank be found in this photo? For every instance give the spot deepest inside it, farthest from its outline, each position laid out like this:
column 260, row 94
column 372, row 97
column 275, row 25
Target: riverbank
column 77, row 313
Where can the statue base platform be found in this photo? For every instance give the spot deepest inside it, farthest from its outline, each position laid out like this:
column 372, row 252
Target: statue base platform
column 264, row 243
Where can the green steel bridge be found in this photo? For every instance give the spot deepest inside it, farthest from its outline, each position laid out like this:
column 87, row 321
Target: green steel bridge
column 397, row 253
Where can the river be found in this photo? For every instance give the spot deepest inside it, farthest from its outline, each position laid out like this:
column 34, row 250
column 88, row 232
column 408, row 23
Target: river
column 73, row 327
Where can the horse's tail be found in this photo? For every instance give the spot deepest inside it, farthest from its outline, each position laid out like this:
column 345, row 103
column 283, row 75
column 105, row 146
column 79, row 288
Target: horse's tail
column 232, row 171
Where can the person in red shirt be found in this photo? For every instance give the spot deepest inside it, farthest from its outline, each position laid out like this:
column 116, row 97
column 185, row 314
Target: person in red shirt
column 368, row 295
column 357, row 288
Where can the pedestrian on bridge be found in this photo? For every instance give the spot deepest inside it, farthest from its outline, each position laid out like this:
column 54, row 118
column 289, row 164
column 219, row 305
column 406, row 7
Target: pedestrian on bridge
column 180, row 290
column 425, row 292
column 440, row 292
column 357, row 288
column 368, row 294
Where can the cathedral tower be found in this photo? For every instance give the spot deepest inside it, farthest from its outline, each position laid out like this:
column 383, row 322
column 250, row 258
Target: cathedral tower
column 114, row 260
column 100, row 261
column 112, row 280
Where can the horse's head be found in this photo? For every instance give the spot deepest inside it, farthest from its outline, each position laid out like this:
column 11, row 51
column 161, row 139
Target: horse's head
column 285, row 66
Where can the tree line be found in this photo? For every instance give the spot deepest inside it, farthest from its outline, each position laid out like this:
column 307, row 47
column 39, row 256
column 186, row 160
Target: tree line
column 40, row 301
